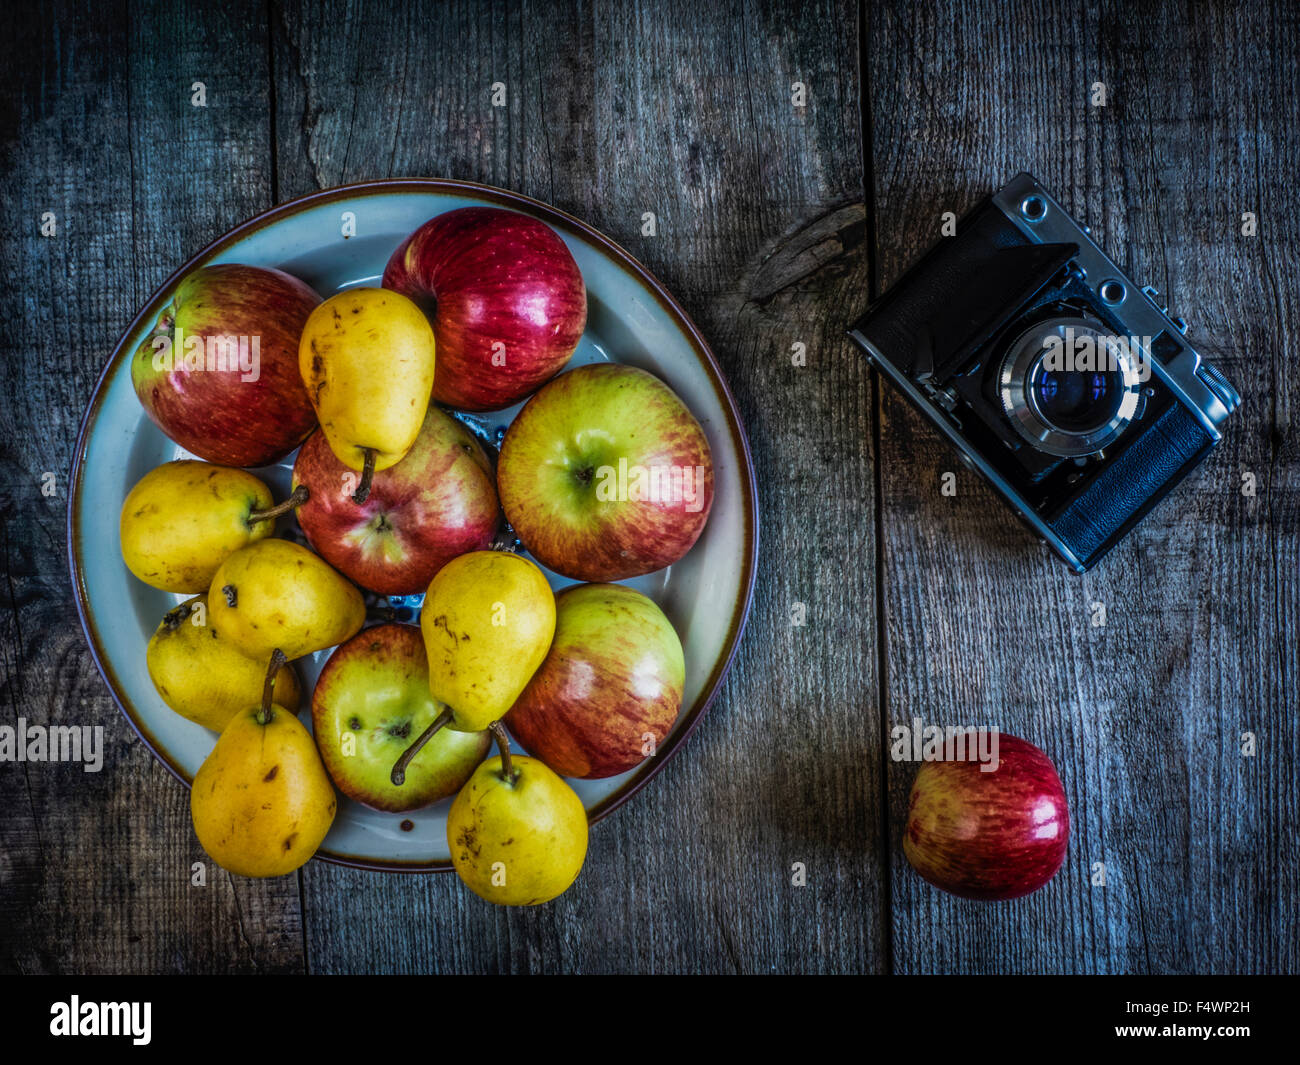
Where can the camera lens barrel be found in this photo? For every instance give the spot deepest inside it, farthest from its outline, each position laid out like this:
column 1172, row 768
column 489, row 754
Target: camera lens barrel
column 1069, row 388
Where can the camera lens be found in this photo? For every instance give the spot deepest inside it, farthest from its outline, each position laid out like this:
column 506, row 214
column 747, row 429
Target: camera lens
column 1079, row 402
column 1068, row 388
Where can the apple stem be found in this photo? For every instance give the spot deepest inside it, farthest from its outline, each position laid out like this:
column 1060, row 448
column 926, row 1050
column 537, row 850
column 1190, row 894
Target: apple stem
column 299, row 497
column 277, row 663
column 398, row 775
column 165, row 323
column 503, row 745
column 367, row 474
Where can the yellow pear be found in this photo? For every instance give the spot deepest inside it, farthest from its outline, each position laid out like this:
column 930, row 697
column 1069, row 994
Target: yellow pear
column 182, row 519
column 366, row 356
column 517, row 832
column 276, row 594
column 488, row 620
column 262, row 802
column 203, row 676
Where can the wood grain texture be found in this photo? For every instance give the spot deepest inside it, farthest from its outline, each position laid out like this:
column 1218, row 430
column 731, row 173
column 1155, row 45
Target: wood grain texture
column 1143, row 716
column 878, row 600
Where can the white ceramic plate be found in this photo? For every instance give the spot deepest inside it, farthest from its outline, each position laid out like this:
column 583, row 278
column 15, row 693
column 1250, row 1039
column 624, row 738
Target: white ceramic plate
column 631, row 319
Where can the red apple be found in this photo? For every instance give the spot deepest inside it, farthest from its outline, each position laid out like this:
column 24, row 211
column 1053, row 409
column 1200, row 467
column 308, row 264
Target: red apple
column 505, row 297
column 988, row 835
column 219, row 372
column 605, row 474
column 610, row 687
column 438, row 502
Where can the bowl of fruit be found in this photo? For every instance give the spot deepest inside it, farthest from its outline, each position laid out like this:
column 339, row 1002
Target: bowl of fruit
column 413, row 526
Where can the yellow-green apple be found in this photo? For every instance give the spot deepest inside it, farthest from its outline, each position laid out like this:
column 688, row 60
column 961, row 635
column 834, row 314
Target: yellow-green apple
column 609, row 690
column 437, row 502
column 219, row 371
column 506, row 299
column 371, row 700
column 605, row 474
column 992, row 827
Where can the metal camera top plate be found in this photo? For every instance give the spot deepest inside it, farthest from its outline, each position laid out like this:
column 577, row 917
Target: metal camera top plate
column 1037, row 214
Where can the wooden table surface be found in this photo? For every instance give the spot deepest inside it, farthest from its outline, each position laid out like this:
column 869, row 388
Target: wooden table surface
column 776, row 224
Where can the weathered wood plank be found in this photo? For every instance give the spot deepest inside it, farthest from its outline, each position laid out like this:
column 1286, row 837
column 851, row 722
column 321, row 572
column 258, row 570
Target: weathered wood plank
column 95, row 867
column 1144, row 715
column 683, row 110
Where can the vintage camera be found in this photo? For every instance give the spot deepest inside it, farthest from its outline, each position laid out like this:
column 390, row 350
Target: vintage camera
column 1058, row 378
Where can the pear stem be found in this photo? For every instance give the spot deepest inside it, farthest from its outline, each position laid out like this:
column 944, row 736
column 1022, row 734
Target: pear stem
column 367, row 474
column 277, row 663
column 398, row 776
column 503, row 745
column 299, row 497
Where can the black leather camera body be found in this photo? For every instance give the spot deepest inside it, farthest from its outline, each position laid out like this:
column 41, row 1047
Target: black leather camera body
column 1060, row 380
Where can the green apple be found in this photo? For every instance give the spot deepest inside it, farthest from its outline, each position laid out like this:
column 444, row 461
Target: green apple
column 372, row 700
